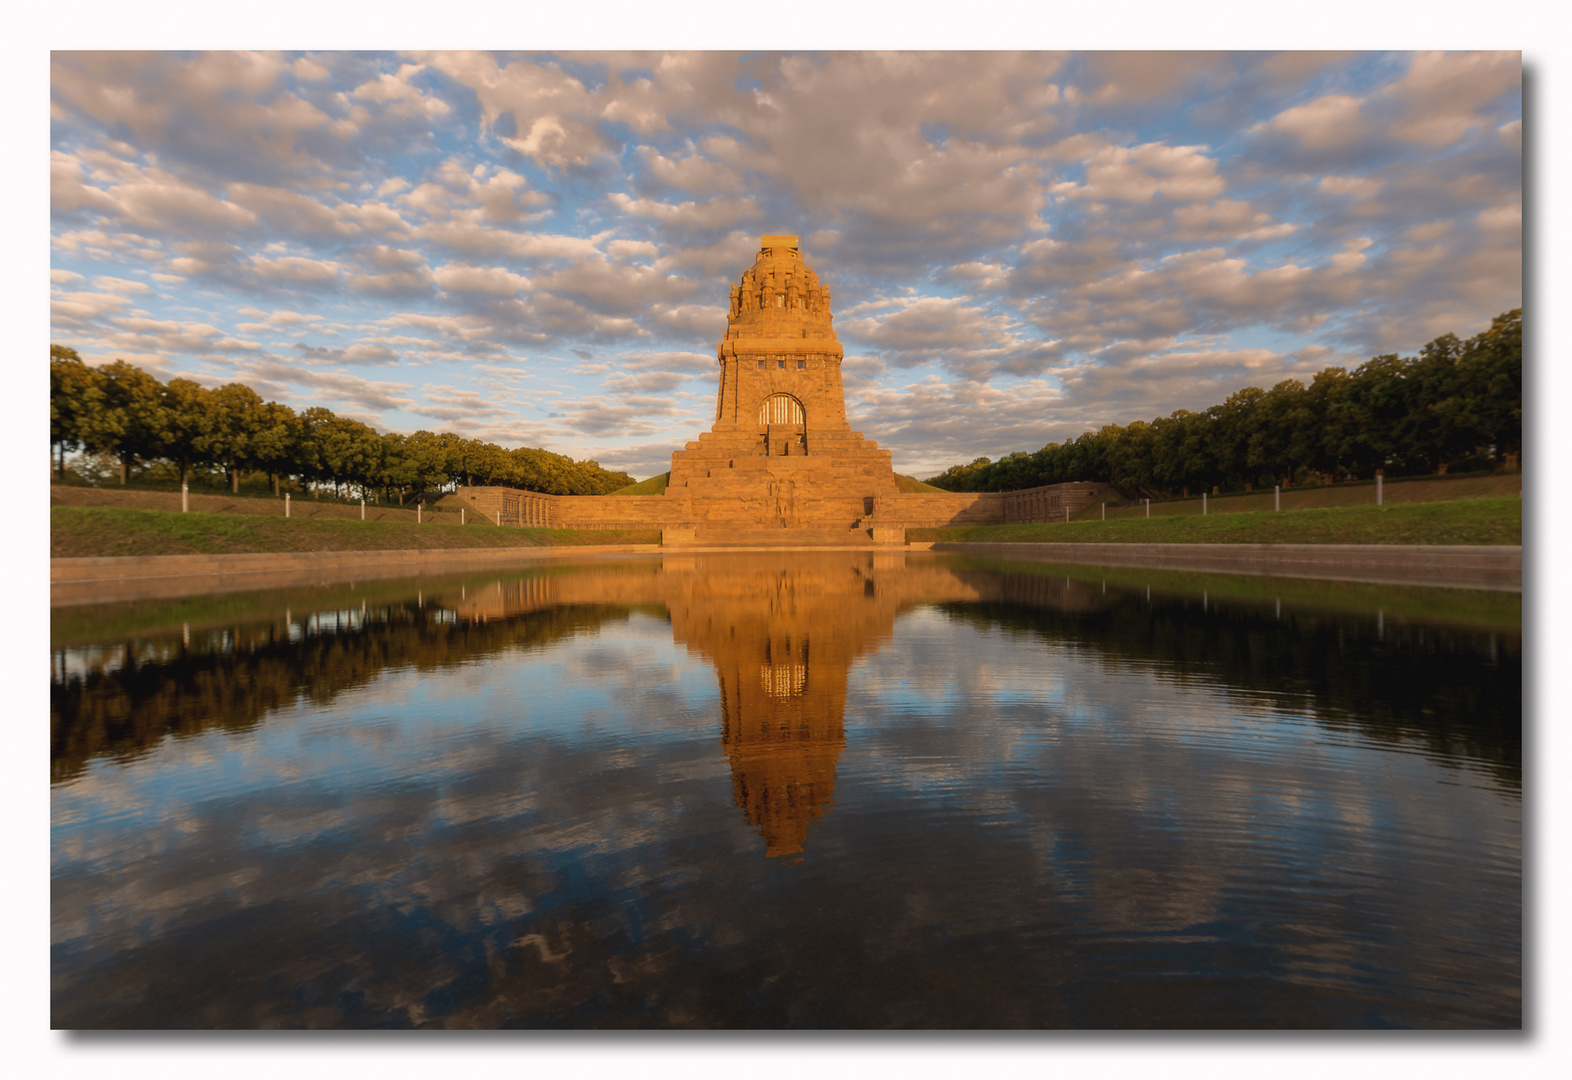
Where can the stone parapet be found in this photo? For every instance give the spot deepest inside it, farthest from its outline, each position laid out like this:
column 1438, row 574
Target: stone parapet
column 511, row 506
column 926, row 510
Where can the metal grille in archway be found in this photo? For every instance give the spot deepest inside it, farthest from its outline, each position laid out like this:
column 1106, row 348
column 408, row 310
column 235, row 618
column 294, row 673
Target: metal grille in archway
column 780, row 409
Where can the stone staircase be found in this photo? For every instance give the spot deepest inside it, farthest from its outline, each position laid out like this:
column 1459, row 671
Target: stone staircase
column 777, row 537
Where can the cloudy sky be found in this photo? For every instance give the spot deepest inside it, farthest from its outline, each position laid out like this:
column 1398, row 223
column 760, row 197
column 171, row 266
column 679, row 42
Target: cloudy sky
column 535, row 249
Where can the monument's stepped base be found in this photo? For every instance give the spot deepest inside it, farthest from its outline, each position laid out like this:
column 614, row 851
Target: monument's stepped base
column 765, row 494
column 813, row 479
column 774, row 538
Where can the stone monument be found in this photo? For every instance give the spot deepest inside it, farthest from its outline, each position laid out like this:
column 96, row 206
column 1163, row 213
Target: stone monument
column 780, row 454
column 780, row 466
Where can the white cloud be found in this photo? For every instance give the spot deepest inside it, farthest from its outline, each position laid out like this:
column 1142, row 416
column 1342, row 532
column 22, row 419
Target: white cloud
column 1443, row 93
column 121, row 285
column 495, row 280
column 1502, row 217
column 1327, row 122
column 710, row 214
column 296, row 270
column 1137, row 174
column 83, row 306
column 1361, row 187
column 395, row 89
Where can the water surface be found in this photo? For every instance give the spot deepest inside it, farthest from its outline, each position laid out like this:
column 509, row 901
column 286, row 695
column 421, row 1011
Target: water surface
column 809, row 790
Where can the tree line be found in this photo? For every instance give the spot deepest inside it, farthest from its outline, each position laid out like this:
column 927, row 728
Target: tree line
column 120, row 410
column 1456, row 406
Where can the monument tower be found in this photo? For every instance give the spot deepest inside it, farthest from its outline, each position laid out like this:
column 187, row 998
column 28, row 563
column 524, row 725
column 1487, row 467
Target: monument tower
column 780, row 454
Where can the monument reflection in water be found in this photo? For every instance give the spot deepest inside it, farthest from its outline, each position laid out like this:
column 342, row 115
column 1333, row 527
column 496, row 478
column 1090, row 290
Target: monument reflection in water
column 837, row 789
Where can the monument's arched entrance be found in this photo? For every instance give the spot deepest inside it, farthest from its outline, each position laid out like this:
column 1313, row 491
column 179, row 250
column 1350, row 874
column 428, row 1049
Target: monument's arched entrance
column 783, row 424
column 781, row 409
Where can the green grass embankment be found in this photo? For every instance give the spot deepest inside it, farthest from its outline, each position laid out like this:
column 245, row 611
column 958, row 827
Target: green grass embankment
column 1464, row 521
column 910, row 485
column 82, row 532
column 655, row 485
column 1412, row 489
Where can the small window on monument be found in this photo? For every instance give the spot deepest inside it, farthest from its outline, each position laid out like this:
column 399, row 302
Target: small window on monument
column 780, row 364
column 801, row 364
column 761, row 365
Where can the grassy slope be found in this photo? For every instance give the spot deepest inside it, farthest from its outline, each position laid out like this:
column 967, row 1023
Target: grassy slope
column 1464, row 521
column 76, row 532
column 1417, row 489
column 653, row 486
column 912, row 486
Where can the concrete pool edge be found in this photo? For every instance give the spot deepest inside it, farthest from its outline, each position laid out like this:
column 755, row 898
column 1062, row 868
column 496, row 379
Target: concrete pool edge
column 1482, row 566
column 90, row 580
column 143, row 577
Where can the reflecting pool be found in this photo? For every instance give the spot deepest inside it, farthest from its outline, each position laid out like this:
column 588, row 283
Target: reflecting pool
column 841, row 789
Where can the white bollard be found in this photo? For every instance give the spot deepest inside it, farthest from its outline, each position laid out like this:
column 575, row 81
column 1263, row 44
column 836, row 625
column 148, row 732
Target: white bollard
column 1277, row 496
column 461, row 515
column 1148, row 507
column 1203, row 504
column 1067, row 515
column 362, row 509
column 286, row 504
column 417, row 512
column 1378, row 489
column 1105, row 511
column 185, row 497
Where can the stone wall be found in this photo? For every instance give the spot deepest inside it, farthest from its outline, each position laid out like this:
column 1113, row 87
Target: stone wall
column 511, row 506
column 1049, row 503
column 922, row 510
column 807, row 508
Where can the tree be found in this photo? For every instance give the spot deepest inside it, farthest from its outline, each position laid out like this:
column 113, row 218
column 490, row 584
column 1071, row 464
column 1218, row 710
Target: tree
column 273, row 443
column 129, row 424
column 238, row 419
column 185, row 420
column 426, row 460
column 1490, row 375
column 1130, row 461
column 308, row 437
column 76, row 396
column 351, row 452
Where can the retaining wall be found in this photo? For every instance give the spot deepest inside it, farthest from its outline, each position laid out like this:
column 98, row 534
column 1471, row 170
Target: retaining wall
column 511, row 506
column 675, row 509
column 925, row 510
